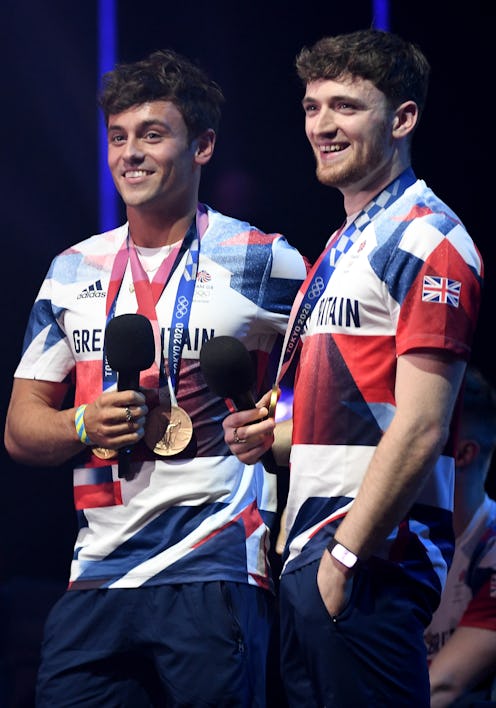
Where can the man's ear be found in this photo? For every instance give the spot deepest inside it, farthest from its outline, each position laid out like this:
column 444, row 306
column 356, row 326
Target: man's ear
column 204, row 146
column 466, row 452
column 405, row 119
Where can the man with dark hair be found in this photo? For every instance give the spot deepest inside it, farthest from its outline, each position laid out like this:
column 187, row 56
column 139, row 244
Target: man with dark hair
column 170, row 597
column 163, row 76
column 461, row 639
column 386, row 318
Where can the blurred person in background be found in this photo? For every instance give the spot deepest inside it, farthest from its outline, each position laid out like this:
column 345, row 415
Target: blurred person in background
column 461, row 639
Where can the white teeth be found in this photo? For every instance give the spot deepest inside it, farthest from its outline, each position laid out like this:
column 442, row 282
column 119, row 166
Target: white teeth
column 331, row 148
column 135, row 173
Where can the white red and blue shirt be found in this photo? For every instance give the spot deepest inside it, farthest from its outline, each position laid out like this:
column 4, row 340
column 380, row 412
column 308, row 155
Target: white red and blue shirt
column 411, row 279
column 186, row 518
column 469, row 597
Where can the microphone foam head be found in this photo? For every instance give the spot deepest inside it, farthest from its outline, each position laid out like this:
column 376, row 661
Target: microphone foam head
column 227, row 366
column 129, row 343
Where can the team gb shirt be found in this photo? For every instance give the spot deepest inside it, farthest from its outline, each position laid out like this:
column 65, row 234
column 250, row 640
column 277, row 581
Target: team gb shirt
column 202, row 514
column 411, row 279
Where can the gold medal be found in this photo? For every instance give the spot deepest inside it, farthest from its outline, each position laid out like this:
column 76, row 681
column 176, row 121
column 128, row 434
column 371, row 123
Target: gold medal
column 104, row 453
column 274, row 397
column 168, row 431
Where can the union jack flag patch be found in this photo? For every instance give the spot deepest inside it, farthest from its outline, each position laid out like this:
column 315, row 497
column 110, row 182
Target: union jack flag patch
column 443, row 290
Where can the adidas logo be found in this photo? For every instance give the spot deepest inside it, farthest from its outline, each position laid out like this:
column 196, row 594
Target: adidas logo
column 94, row 290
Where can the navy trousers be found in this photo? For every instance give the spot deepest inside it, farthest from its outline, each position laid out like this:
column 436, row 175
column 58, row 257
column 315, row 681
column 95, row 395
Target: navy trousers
column 198, row 644
column 372, row 654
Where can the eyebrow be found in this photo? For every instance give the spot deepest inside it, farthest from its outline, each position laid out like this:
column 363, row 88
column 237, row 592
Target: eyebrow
column 335, row 97
column 338, row 98
column 149, row 123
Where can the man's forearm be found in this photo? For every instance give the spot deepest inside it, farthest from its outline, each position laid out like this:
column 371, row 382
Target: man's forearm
column 41, row 436
column 396, row 474
column 426, row 391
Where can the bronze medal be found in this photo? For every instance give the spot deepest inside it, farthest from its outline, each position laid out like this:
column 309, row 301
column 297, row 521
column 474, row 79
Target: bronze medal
column 104, row 453
column 168, row 431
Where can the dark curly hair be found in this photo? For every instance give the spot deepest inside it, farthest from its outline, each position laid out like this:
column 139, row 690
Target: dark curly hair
column 395, row 66
column 164, row 75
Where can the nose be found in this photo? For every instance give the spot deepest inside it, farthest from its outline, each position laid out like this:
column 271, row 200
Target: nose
column 132, row 151
column 324, row 122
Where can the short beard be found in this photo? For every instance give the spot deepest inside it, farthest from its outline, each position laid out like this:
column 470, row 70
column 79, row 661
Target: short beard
column 359, row 168
column 338, row 178
column 342, row 177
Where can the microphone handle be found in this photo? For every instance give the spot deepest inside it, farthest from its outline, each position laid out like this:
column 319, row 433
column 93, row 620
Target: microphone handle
column 124, row 463
column 243, row 402
column 126, row 381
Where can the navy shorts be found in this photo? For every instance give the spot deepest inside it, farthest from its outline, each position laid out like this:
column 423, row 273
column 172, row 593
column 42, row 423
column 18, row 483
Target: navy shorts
column 198, row 644
column 372, row 654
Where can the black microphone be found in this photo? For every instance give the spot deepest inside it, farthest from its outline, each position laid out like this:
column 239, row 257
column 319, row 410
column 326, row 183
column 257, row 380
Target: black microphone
column 228, row 369
column 129, row 348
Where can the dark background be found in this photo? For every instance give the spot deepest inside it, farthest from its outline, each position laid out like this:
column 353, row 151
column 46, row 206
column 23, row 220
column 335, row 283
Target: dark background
column 263, row 171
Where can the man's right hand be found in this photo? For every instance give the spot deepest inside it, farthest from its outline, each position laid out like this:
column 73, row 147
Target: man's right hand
column 250, row 433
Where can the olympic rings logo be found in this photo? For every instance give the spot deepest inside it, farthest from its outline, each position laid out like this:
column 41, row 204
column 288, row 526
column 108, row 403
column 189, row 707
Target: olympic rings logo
column 317, row 287
column 182, row 307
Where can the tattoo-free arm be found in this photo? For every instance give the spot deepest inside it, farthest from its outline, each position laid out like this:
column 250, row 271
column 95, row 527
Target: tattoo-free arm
column 467, row 658
column 427, row 386
column 39, row 432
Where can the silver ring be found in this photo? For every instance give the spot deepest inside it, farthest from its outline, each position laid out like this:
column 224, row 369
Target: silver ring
column 129, row 415
column 236, row 438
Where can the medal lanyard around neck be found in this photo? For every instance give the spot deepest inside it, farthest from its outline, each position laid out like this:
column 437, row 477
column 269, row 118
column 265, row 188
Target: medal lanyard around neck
column 319, row 275
column 148, row 294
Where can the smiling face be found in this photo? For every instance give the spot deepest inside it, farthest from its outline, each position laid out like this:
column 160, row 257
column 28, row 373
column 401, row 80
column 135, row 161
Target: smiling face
column 153, row 163
column 350, row 128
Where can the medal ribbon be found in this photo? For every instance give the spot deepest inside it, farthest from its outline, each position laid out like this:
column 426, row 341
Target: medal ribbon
column 181, row 313
column 148, row 294
column 319, row 275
